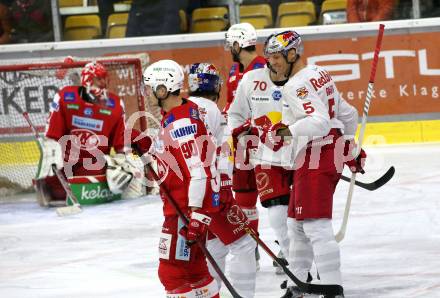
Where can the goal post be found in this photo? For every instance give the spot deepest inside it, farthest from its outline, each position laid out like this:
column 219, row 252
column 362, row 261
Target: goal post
column 30, row 87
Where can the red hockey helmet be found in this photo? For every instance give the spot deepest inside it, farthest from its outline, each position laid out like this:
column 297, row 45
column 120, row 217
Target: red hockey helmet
column 94, row 78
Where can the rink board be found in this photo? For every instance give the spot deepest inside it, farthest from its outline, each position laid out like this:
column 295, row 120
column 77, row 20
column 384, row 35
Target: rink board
column 26, row 153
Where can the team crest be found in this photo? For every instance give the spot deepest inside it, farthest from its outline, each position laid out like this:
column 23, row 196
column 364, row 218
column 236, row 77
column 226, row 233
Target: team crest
column 194, row 113
column 302, row 92
column 110, row 103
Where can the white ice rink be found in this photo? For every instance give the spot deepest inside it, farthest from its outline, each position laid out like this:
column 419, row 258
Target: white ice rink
column 391, row 249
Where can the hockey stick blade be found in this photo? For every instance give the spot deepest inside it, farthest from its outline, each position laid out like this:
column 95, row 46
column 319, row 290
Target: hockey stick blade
column 304, row 287
column 68, row 210
column 375, row 184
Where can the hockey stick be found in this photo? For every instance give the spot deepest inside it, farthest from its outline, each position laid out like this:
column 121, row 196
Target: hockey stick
column 340, row 235
column 61, row 211
column 375, row 184
column 200, row 244
column 68, row 210
column 304, row 286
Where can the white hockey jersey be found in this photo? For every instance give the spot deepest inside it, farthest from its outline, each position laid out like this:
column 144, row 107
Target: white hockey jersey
column 312, row 106
column 259, row 99
column 216, row 125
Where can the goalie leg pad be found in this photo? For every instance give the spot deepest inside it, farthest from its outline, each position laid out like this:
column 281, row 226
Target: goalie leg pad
column 50, row 192
column 51, row 153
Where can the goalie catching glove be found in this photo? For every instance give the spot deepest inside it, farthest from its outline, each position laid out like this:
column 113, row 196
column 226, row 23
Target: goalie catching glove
column 119, row 172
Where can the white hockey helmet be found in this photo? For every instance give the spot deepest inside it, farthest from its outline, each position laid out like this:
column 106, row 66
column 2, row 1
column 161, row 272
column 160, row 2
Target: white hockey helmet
column 167, row 74
column 243, row 33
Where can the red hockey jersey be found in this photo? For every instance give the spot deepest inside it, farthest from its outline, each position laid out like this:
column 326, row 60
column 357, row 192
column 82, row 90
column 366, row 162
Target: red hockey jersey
column 94, row 128
column 235, row 76
column 186, row 155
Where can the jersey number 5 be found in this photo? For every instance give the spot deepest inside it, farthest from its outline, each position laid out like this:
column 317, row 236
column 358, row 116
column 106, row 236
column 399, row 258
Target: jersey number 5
column 308, row 108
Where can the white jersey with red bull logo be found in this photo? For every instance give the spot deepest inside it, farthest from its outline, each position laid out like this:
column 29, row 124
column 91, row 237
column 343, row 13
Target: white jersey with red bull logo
column 312, row 106
column 260, row 99
column 216, row 125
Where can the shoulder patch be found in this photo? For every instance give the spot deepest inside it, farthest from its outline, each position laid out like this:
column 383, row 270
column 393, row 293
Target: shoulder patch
column 258, row 65
column 169, row 119
column 194, row 113
column 302, row 92
column 232, row 70
column 110, row 103
column 69, row 96
column 55, row 106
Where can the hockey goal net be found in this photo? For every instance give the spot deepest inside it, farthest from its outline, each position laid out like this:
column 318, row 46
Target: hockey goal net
column 31, row 87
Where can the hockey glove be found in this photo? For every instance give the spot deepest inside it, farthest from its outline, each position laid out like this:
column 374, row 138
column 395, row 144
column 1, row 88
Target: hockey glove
column 245, row 128
column 140, row 143
column 197, row 228
column 270, row 139
column 355, row 164
column 226, row 196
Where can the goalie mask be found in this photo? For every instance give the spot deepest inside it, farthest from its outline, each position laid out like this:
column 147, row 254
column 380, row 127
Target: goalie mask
column 162, row 78
column 94, row 79
column 204, row 80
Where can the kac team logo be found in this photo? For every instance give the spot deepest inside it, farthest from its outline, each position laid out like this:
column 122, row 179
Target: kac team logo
column 85, row 139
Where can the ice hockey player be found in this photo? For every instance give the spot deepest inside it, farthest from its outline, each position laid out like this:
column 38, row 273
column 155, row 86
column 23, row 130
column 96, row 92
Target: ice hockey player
column 84, row 123
column 321, row 126
column 225, row 235
column 182, row 265
column 241, row 40
column 259, row 97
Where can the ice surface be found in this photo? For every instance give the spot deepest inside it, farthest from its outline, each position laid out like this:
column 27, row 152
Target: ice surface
column 391, row 248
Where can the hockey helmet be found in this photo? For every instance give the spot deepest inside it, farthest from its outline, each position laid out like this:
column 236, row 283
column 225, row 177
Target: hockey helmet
column 90, row 72
column 283, row 42
column 163, row 76
column 244, row 34
column 204, row 77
